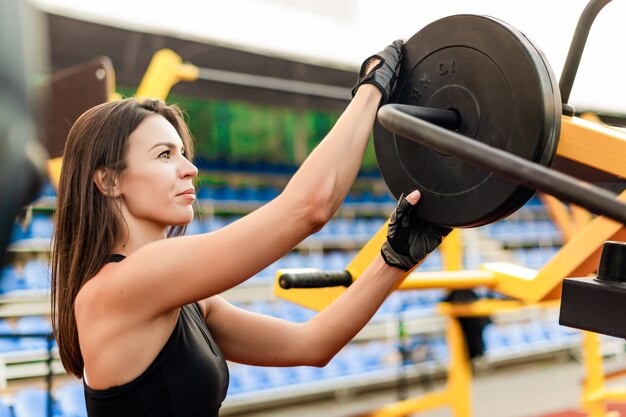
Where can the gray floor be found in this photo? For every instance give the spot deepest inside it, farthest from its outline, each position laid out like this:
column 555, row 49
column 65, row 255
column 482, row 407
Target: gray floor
column 524, row 390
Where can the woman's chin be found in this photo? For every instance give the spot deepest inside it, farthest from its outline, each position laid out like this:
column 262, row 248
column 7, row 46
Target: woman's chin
column 183, row 221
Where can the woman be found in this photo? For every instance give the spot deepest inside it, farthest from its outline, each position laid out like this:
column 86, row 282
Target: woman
column 138, row 316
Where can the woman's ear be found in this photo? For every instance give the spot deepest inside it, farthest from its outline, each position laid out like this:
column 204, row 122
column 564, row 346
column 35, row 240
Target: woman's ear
column 107, row 182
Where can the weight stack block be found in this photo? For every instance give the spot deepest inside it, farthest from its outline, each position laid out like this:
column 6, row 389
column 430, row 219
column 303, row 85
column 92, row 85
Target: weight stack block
column 598, row 304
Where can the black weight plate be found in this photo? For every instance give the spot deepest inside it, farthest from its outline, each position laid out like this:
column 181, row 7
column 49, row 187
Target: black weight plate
column 508, row 98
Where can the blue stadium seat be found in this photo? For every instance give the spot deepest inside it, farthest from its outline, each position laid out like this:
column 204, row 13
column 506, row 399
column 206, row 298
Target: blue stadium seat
column 5, row 410
column 41, row 226
column 374, row 354
column 333, row 369
column 367, row 197
column 33, row 324
column 360, row 227
column 71, row 400
column 204, row 193
column 315, row 260
column 533, row 333
column 11, row 281
column 374, row 225
column 279, row 377
column 344, row 227
column 224, row 192
column 234, row 386
column 196, row 227
column 249, row 193
column 241, row 378
column 354, row 361
column 293, row 260
column 215, row 223
column 439, row 349
column 48, row 190
column 7, row 344
column 18, row 233
column 37, row 274
column 30, row 402
column 268, row 193
column 350, row 198
column 303, row 374
column 253, row 378
column 493, row 338
column 514, row 335
column 335, row 261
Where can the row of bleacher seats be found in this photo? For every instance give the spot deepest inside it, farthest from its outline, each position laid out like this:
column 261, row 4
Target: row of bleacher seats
column 34, row 275
column 248, row 193
column 364, row 358
column 509, row 232
column 530, row 257
column 67, row 401
column 266, row 193
column 357, row 359
column 417, row 303
column 344, row 228
column 41, row 226
column 536, row 257
column 527, row 232
column 402, row 304
column 10, row 341
column 338, row 230
column 223, row 166
column 253, row 193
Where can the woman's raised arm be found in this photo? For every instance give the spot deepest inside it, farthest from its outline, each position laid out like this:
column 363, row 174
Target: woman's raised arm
column 169, row 273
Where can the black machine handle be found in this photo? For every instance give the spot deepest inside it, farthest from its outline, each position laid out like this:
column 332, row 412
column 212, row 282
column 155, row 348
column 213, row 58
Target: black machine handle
column 315, row 279
column 505, row 164
column 570, row 68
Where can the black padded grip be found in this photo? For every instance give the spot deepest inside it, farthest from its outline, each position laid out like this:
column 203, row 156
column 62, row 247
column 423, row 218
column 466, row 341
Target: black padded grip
column 315, row 279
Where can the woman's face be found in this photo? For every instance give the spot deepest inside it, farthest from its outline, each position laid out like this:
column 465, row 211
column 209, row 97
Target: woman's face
column 157, row 184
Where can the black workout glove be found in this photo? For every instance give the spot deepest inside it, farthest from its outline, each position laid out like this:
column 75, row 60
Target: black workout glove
column 385, row 73
column 410, row 239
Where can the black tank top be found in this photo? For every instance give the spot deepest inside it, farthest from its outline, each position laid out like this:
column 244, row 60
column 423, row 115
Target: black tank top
column 188, row 378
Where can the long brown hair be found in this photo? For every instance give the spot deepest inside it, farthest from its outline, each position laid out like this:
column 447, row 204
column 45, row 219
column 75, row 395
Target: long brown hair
column 87, row 223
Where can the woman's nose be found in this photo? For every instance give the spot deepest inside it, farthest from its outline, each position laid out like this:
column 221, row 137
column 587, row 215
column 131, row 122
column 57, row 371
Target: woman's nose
column 188, row 169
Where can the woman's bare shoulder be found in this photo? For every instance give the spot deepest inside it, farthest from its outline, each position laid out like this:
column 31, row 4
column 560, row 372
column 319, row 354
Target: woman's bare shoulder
column 94, row 294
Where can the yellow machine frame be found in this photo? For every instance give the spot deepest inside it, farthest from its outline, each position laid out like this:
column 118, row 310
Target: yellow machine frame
column 583, row 141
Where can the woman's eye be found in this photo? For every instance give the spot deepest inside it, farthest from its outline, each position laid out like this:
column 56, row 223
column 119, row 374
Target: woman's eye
column 165, row 155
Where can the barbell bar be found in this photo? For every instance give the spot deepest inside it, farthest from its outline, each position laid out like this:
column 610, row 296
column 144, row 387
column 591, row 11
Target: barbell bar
column 532, row 175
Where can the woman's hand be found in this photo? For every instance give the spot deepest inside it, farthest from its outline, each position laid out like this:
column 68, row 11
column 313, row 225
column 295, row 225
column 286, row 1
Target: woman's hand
column 409, row 238
column 382, row 70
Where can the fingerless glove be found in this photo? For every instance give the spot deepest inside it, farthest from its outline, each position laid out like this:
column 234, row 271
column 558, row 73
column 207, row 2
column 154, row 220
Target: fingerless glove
column 385, row 73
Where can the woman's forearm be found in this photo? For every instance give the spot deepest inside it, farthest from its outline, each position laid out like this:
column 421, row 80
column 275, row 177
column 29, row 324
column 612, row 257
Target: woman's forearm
column 337, row 324
column 328, row 173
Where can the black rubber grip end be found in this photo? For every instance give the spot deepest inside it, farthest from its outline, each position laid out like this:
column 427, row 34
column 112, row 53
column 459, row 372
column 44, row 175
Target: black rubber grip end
column 315, row 279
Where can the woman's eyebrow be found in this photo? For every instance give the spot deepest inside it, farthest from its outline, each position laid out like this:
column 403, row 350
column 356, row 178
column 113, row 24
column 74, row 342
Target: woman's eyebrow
column 169, row 145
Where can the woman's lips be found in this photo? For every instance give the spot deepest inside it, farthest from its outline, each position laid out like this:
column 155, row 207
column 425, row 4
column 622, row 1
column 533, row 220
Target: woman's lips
column 189, row 194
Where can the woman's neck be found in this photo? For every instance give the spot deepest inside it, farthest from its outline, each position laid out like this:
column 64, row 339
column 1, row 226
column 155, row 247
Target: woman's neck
column 136, row 237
